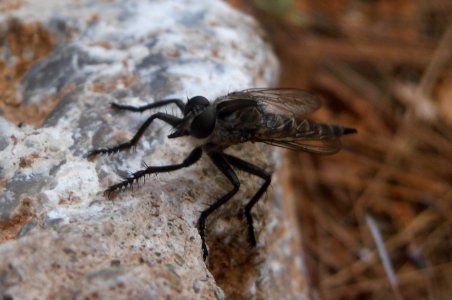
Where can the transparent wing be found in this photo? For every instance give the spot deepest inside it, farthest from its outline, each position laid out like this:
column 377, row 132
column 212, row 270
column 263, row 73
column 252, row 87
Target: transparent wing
column 285, row 103
column 306, row 135
column 319, row 146
column 281, row 101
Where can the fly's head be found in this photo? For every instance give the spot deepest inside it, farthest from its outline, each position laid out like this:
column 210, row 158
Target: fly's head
column 199, row 119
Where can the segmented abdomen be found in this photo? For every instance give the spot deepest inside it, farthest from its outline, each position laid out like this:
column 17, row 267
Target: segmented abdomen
column 279, row 126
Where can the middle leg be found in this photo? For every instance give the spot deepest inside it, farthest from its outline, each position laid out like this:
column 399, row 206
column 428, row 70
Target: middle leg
column 180, row 104
column 221, row 163
column 252, row 169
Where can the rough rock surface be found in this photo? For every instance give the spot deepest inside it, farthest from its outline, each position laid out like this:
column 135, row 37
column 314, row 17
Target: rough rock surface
column 63, row 63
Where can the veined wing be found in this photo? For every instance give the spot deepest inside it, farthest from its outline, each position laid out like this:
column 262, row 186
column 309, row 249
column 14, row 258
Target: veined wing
column 296, row 103
column 319, row 146
column 306, row 136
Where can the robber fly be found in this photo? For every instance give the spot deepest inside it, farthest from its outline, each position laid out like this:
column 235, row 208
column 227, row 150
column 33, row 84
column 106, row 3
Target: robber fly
column 272, row 116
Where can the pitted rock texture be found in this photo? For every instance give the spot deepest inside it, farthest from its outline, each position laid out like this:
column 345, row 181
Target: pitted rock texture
column 59, row 236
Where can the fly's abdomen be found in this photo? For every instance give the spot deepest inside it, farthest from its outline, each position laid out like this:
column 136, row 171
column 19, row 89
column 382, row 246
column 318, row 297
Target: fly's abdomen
column 277, row 126
column 336, row 130
column 307, row 128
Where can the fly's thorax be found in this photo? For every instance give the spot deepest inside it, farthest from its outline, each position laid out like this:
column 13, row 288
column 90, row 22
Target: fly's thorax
column 224, row 136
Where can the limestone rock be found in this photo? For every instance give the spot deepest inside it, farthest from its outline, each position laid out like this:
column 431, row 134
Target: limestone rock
column 59, row 236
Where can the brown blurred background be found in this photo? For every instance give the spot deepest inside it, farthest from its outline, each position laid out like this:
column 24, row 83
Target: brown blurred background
column 375, row 218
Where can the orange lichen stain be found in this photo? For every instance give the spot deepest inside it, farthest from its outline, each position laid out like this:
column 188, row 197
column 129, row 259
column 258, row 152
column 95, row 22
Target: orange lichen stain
column 120, row 285
column 93, row 19
column 103, row 85
column 173, row 53
column 216, row 52
column 10, row 5
column 26, row 42
column 71, row 199
column 21, row 216
column 26, row 162
column 14, row 139
column 103, row 43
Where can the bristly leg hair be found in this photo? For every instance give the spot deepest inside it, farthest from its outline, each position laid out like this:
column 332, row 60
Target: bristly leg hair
column 263, row 115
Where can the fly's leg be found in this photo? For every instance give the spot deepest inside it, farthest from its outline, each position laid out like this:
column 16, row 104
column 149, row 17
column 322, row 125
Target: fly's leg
column 170, row 119
column 178, row 102
column 252, row 169
column 221, row 163
column 192, row 158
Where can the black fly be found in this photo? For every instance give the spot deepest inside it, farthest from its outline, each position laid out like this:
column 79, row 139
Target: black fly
column 271, row 116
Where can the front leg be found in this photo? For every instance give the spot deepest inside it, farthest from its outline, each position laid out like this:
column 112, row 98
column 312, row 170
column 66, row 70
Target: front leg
column 156, row 104
column 170, row 119
column 192, row 158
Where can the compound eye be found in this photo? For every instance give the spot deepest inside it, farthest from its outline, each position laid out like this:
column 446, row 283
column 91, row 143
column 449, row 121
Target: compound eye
column 195, row 103
column 203, row 125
